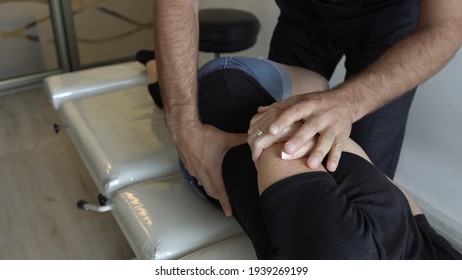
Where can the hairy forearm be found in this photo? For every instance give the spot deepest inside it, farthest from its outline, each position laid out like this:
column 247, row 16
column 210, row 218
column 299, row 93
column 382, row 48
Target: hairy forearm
column 409, row 63
column 176, row 43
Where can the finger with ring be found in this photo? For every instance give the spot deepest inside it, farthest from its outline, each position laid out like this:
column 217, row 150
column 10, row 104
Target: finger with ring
column 258, row 132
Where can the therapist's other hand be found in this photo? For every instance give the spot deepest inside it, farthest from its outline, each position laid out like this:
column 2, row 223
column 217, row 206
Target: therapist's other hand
column 262, row 140
column 322, row 114
column 202, row 150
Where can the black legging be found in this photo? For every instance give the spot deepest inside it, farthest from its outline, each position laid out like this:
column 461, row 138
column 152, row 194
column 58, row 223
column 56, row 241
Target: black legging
column 353, row 213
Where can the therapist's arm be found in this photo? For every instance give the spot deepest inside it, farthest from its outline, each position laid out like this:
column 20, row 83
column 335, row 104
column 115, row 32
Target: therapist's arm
column 176, row 38
column 176, row 35
column 410, row 62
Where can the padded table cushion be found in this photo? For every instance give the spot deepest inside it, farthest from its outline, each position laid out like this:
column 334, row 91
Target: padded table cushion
column 166, row 219
column 237, row 247
column 69, row 86
column 121, row 137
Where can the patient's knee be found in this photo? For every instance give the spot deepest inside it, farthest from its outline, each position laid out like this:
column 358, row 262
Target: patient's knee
column 272, row 168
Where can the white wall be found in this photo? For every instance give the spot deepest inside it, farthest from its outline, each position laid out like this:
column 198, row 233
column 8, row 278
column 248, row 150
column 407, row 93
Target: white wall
column 430, row 167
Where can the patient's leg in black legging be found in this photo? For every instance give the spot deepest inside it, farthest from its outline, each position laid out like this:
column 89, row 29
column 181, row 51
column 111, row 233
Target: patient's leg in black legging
column 383, row 204
column 308, row 218
column 228, row 100
column 240, row 177
column 360, row 216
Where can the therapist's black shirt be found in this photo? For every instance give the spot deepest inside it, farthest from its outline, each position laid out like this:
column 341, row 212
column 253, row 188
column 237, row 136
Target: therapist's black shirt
column 335, row 11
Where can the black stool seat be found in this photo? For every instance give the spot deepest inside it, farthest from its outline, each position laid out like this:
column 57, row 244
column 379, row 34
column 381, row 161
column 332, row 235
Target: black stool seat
column 227, row 30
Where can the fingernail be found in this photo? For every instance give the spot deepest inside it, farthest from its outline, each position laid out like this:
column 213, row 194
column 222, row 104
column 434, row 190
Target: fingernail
column 332, row 166
column 285, row 156
column 314, row 162
column 274, row 129
column 290, row 147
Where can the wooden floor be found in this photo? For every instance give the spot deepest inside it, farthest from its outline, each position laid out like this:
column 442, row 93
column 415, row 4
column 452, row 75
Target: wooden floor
column 41, row 179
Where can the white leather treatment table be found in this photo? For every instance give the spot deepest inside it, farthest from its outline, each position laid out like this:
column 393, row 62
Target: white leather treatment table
column 121, row 137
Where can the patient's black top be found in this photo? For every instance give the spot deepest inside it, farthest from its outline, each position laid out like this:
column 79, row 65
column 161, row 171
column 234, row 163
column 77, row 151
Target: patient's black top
column 353, row 213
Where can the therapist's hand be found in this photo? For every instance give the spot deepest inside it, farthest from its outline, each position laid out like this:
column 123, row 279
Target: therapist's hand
column 202, row 150
column 323, row 115
column 262, row 140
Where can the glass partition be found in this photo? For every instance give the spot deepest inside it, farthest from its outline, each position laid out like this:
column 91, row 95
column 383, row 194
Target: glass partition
column 42, row 37
column 27, row 42
column 111, row 30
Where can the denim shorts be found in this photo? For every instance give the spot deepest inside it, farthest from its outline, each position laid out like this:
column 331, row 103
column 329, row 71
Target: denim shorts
column 272, row 76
